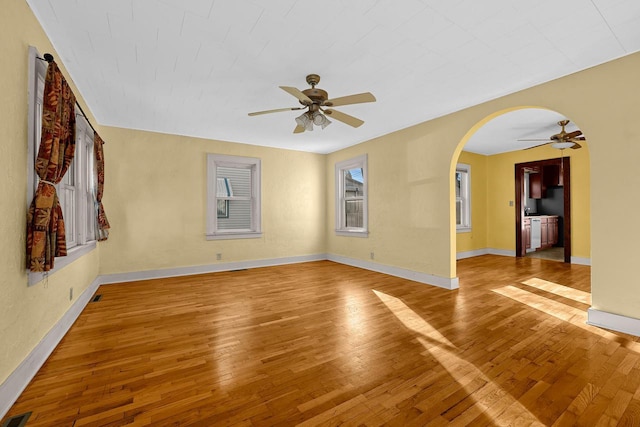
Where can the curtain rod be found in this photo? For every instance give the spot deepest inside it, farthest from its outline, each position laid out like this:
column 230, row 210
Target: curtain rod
column 49, row 58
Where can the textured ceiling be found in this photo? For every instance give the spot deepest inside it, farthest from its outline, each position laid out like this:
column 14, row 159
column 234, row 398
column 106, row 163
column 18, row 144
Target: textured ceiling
column 198, row 67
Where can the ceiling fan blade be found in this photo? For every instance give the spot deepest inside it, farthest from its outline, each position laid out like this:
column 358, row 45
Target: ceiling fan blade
column 350, row 99
column 298, row 94
column 580, row 138
column 277, row 110
column 540, row 145
column 298, row 129
column 573, row 134
column 575, row 146
column 535, row 140
column 344, row 118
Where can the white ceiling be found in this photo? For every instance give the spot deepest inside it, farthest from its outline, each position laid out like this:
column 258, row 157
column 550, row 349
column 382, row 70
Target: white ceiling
column 503, row 133
column 198, row 67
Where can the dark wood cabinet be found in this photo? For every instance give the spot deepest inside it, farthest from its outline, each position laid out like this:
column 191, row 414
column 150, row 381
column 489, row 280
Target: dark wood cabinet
column 535, row 185
column 542, row 178
column 552, row 230
column 551, row 176
column 548, row 231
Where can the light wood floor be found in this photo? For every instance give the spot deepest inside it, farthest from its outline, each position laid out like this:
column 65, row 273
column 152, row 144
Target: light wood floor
column 554, row 254
column 326, row 344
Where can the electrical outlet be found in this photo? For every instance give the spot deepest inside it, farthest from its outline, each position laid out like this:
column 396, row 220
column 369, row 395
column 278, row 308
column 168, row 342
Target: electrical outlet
column 70, row 294
column 510, row 202
column 218, row 257
column 372, row 255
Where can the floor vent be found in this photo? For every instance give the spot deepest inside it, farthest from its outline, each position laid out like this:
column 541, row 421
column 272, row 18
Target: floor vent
column 97, row 298
column 239, row 269
column 17, row 421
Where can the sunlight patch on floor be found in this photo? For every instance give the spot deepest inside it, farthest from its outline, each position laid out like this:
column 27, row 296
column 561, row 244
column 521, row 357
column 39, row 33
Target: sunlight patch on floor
column 463, row 372
column 560, row 290
column 560, row 311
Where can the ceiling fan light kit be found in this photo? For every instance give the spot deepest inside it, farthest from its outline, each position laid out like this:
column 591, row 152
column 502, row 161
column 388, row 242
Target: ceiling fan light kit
column 313, row 100
column 563, row 145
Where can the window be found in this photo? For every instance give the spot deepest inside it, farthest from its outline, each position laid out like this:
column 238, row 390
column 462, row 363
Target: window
column 463, row 197
column 233, row 197
column 351, row 197
column 76, row 189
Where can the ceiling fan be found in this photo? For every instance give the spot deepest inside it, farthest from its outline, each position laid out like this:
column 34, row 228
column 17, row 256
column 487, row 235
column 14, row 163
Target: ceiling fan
column 314, row 100
column 561, row 140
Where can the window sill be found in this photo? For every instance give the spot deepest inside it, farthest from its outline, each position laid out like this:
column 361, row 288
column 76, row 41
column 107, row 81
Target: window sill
column 231, row 236
column 352, row 233
column 61, row 262
column 463, row 230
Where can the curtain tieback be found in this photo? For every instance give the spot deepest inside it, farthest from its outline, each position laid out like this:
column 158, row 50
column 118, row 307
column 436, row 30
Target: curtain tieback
column 47, row 182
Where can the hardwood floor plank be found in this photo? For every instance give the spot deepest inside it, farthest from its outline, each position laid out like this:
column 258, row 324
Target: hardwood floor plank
column 321, row 343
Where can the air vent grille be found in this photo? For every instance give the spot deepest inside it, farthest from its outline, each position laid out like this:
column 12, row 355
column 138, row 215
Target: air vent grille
column 17, row 421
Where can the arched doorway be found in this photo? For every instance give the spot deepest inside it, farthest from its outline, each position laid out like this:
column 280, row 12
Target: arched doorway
column 497, row 211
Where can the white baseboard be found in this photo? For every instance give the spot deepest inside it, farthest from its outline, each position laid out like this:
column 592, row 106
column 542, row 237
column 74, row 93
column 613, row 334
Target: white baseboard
column 471, row 254
column 485, row 251
column 505, row 252
column 15, row 384
column 502, row 252
column 580, row 261
column 429, row 279
column 202, row 269
column 615, row 322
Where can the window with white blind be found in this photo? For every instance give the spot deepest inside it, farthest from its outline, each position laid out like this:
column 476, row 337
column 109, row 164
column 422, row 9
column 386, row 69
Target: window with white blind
column 233, row 197
column 351, row 197
column 463, row 197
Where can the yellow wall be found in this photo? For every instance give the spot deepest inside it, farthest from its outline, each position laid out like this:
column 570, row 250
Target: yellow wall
column 155, row 196
column 408, row 202
column 476, row 239
column 411, row 200
column 27, row 313
column 501, row 184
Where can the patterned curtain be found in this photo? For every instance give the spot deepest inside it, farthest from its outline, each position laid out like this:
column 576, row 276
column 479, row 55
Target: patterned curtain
column 45, row 226
column 103, row 223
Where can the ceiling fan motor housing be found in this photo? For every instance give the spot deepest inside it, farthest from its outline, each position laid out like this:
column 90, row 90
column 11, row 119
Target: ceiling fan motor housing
column 318, row 96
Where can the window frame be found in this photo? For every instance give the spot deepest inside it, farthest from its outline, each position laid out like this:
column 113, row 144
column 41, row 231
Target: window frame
column 254, row 165
column 340, row 199
column 465, row 198
column 80, row 241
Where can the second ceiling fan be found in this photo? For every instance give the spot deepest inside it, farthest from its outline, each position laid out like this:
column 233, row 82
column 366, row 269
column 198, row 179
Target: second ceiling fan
column 317, row 103
column 561, row 140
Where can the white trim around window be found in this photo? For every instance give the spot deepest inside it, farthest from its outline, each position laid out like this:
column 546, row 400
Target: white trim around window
column 351, row 199
column 462, row 185
column 233, row 214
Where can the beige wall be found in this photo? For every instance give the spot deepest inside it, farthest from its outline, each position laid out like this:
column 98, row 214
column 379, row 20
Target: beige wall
column 27, row 313
column 155, row 196
column 409, row 189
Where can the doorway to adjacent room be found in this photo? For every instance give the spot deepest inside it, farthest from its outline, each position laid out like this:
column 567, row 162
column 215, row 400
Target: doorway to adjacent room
column 543, row 209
